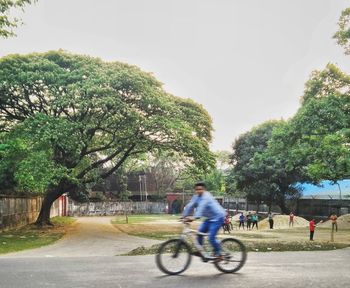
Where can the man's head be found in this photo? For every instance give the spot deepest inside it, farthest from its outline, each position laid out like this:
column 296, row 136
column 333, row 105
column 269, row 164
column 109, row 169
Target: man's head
column 199, row 188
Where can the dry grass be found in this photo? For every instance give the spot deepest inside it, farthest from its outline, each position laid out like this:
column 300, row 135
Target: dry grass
column 290, row 239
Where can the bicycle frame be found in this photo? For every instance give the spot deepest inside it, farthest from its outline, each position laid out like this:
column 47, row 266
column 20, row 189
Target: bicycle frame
column 187, row 232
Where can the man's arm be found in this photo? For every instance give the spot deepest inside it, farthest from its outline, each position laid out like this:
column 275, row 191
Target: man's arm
column 190, row 206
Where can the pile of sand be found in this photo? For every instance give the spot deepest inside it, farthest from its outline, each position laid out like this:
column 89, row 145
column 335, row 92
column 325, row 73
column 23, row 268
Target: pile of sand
column 282, row 222
column 343, row 222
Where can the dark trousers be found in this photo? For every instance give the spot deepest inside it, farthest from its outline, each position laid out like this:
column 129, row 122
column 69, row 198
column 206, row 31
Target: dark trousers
column 312, row 235
column 241, row 223
column 249, row 223
column 255, row 223
column 271, row 223
column 336, row 227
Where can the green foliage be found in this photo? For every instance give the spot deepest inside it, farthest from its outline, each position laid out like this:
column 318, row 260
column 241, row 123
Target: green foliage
column 8, row 23
column 75, row 119
column 260, row 171
column 11, row 152
column 215, row 181
column 343, row 34
column 245, row 148
column 319, row 136
column 29, row 237
column 330, row 81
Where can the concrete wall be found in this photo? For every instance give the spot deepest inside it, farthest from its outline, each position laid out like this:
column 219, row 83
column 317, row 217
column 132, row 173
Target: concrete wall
column 115, row 208
column 15, row 211
column 20, row 211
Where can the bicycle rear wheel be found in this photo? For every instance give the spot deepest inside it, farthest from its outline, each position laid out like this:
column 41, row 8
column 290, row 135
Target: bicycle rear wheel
column 235, row 255
column 173, row 257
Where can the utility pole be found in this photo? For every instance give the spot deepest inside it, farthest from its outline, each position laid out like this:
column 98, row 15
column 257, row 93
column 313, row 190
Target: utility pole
column 145, row 182
column 140, row 182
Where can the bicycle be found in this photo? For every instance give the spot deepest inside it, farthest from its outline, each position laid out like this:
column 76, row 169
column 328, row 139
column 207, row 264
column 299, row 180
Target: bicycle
column 179, row 252
column 227, row 226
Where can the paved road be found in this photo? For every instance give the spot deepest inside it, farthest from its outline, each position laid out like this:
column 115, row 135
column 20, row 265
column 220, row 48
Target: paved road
column 88, row 236
column 86, row 258
column 272, row 270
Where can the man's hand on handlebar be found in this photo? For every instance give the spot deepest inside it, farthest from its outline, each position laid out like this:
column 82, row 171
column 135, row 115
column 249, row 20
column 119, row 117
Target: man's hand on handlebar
column 188, row 219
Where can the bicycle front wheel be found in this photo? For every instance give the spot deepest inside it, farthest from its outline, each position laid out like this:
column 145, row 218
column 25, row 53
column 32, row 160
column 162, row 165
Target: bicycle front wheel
column 234, row 256
column 173, row 257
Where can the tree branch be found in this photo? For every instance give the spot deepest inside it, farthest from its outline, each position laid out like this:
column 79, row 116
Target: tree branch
column 98, row 163
column 119, row 163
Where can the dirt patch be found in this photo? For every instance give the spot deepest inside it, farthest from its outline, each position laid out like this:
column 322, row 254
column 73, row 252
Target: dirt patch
column 282, row 222
column 139, row 228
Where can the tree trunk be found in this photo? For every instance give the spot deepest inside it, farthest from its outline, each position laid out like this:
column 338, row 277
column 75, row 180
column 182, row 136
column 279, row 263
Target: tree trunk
column 282, row 205
column 44, row 215
column 51, row 195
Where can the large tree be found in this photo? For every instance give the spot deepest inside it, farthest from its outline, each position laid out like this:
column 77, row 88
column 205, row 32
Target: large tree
column 249, row 175
column 77, row 119
column 8, row 23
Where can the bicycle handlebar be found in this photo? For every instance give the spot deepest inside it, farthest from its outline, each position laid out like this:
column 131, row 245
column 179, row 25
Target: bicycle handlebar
column 186, row 220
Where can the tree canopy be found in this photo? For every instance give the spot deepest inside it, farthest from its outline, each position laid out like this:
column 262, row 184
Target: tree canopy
column 257, row 173
column 74, row 115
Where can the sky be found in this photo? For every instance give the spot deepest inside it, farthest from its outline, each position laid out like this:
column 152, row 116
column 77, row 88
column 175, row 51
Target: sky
column 246, row 61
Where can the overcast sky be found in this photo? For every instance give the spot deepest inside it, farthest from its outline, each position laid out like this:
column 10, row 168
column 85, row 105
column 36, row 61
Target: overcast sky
column 245, row 61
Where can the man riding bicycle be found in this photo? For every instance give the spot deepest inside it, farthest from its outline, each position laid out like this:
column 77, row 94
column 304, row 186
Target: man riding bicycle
column 206, row 206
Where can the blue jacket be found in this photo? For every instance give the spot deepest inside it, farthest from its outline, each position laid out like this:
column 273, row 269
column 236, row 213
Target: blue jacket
column 206, row 206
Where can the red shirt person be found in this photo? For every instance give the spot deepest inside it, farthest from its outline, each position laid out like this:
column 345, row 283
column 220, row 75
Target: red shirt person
column 291, row 219
column 312, row 229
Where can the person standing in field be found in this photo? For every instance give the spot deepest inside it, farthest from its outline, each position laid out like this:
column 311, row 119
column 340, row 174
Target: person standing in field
column 255, row 220
column 291, row 219
column 334, row 222
column 241, row 221
column 249, row 220
column 226, row 226
column 312, row 229
column 270, row 216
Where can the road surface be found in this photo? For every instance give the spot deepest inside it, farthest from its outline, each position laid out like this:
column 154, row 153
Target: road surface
column 92, row 263
column 88, row 237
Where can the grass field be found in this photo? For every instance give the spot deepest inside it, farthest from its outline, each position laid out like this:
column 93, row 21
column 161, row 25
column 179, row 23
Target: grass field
column 30, row 236
column 132, row 219
column 163, row 227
